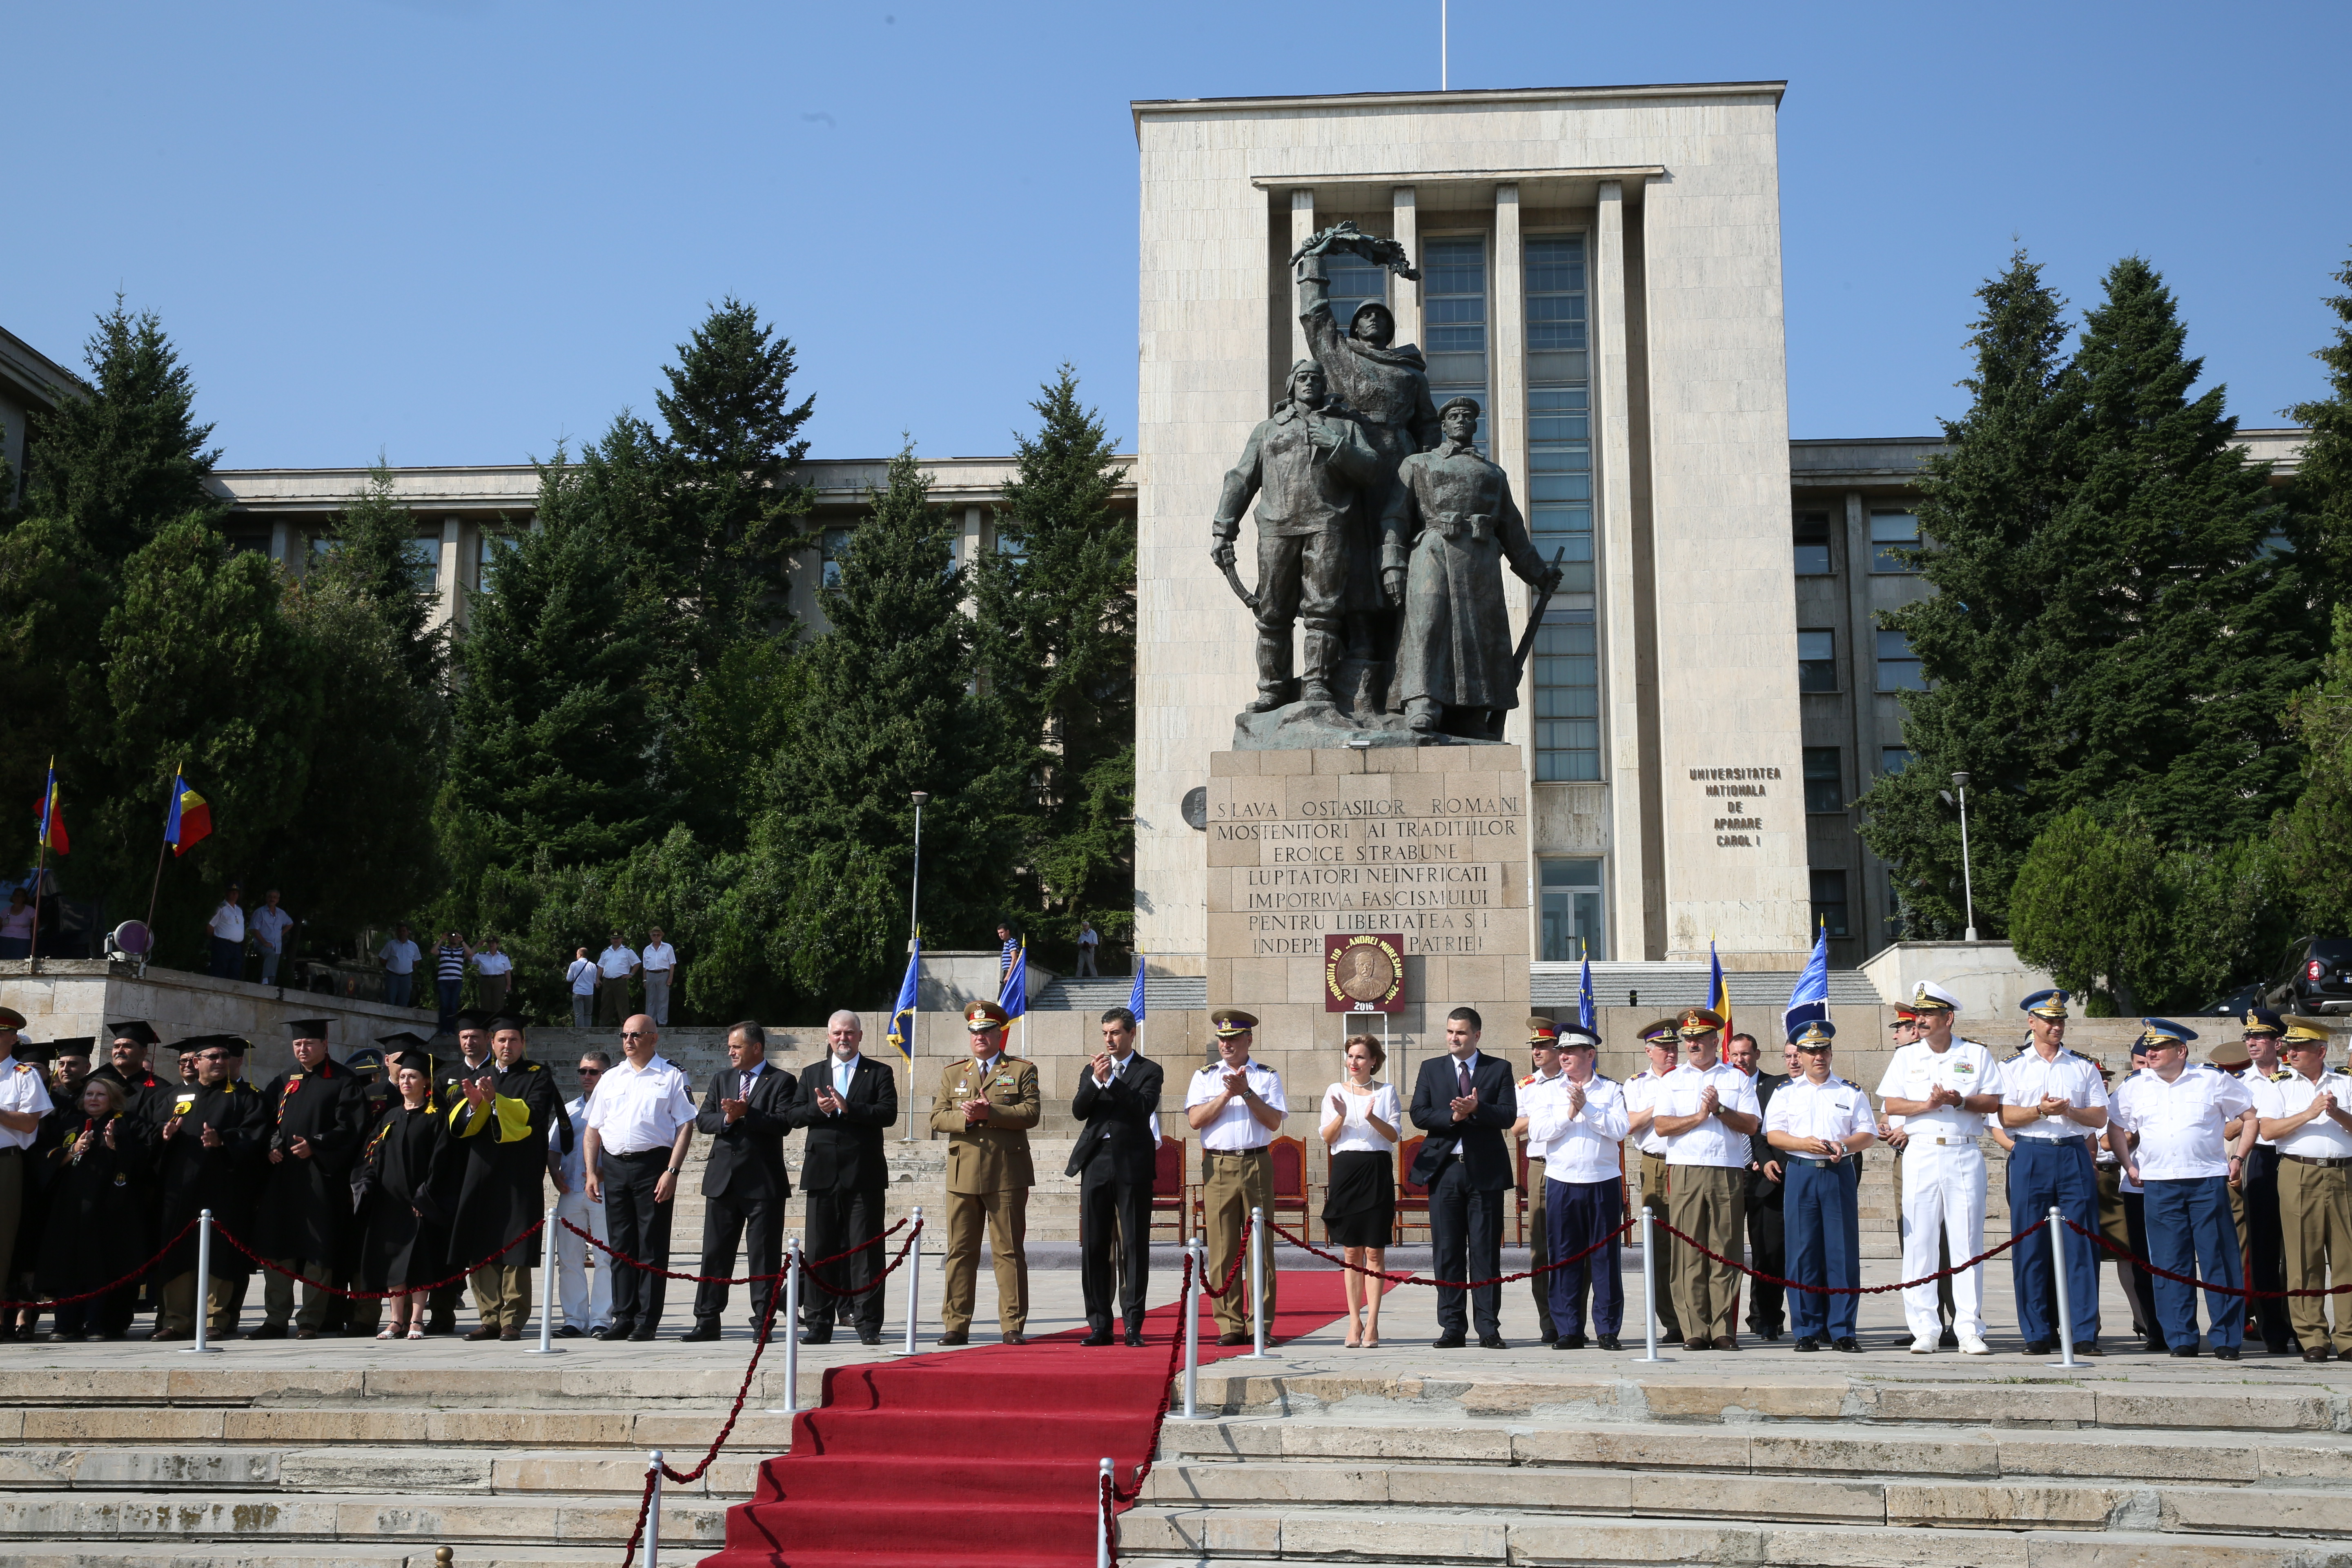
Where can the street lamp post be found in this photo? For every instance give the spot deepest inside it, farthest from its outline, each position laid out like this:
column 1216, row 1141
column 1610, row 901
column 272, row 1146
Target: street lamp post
column 915, row 895
column 1968, row 883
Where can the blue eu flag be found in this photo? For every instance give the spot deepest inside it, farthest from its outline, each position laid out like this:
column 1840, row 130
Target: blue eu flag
column 902, row 1016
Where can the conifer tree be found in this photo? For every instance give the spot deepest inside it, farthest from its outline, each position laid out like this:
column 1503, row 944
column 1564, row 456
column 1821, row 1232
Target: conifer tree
column 2313, row 840
column 887, row 707
column 375, row 561
column 1055, row 608
column 2322, row 485
column 128, row 457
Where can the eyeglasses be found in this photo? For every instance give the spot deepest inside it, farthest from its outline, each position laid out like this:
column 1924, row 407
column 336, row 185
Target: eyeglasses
column 591, row 1072
column 636, row 1034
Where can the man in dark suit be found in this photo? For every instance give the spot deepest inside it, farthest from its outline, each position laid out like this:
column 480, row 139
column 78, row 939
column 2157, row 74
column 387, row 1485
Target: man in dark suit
column 844, row 1103
column 1767, row 1243
column 1464, row 1102
column 745, row 1114
column 1119, row 1095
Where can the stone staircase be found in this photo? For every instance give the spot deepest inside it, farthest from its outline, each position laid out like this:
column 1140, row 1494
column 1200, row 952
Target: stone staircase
column 1858, row 1471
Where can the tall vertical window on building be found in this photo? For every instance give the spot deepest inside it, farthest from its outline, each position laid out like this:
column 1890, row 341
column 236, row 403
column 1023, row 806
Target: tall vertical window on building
column 1355, row 283
column 1812, row 534
column 1890, row 531
column 1893, row 760
column 1559, row 509
column 1453, row 318
column 1572, row 912
column 494, row 546
column 1829, row 902
column 834, row 545
column 1817, row 661
column 1898, row 667
column 1825, row 779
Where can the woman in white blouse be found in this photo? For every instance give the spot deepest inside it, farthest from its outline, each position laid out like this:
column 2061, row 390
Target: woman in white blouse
column 1359, row 1127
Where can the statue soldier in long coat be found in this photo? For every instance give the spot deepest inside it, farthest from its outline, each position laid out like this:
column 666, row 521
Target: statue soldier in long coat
column 1450, row 525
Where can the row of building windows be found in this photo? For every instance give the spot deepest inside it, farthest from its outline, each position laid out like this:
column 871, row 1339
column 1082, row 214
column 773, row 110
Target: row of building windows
column 1817, row 662
column 1890, row 531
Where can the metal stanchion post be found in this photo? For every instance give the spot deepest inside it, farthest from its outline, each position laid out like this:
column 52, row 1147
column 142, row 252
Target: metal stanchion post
column 792, row 1326
column 2058, row 1273
column 1649, row 1285
column 1102, row 1524
column 914, row 1279
column 546, row 1345
column 204, row 1345
column 653, row 1515
column 1257, row 1285
column 1199, row 1251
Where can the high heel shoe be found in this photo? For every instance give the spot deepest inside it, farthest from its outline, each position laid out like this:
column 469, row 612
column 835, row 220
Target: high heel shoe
column 389, row 1331
column 415, row 1331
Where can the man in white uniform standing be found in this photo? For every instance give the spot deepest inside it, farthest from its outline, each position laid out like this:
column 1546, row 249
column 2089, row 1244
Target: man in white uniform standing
column 1943, row 1088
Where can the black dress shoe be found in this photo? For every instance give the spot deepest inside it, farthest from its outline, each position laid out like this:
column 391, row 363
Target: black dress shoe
column 1015, row 1336
column 2225, row 1353
column 1245, row 1338
column 484, row 1332
column 1766, row 1333
column 952, row 1337
column 266, row 1331
column 2039, row 1347
column 1493, row 1342
column 1134, row 1337
column 1849, row 1345
column 441, row 1323
column 2156, row 1345
column 870, row 1337
column 1608, row 1343
column 699, row 1334
column 1447, row 1342
column 568, row 1332
column 1949, row 1340
column 1569, row 1342
column 2322, row 1353
column 1807, row 1342
column 640, row 1336
column 817, row 1336
column 1099, row 1337
column 1699, row 1345
column 2088, row 1347
column 607, row 1332
column 2183, row 1353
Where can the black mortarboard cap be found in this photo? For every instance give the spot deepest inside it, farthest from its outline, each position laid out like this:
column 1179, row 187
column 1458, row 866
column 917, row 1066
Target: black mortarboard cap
column 306, row 1029
column 136, row 1029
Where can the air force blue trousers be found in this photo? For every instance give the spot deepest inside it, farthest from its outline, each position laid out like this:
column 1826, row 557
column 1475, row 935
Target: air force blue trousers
column 1577, row 1215
column 1823, row 1226
column 2044, row 1174
column 2189, row 1231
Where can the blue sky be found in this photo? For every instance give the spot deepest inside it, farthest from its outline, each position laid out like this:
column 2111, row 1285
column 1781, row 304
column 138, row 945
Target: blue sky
column 461, row 230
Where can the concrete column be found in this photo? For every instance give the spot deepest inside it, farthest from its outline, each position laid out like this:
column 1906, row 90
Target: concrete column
column 1613, row 532
column 1404, row 227
column 1868, row 902
column 968, row 553
column 1302, row 229
column 284, row 546
column 447, row 580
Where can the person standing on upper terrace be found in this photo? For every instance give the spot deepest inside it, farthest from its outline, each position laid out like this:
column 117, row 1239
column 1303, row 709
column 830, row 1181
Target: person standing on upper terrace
column 2315, row 1149
column 1708, row 1112
column 1943, row 1087
column 2174, row 1115
column 2049, row 1096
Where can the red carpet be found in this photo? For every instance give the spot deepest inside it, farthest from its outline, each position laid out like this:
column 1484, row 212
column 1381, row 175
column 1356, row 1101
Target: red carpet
column 979, row 1456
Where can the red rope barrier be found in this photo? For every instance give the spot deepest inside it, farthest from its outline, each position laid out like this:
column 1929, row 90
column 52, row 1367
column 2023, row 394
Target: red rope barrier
column 875, row 1240
column 876, row 1283
column 112, row 1285
column 1217, row 1292
column 1109, row 1530
column 1706, row 1252
column 1306, row 1245
column 380, row 1295
column 2138, row 1262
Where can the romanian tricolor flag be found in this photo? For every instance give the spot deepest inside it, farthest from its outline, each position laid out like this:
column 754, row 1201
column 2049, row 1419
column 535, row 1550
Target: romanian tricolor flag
column 191, row 819
column 1718, row 995
column 49, row 820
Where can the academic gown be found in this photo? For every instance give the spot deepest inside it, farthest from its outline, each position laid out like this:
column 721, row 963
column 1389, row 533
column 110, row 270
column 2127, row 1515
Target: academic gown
column 305, row 1205
column 41, row 1159
column 224, row 1180
column 497, row 1164
column 99, row 1208
column 405, row 1235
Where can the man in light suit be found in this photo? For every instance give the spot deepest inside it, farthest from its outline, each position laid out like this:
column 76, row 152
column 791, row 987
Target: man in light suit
column 986, row 1105
column 745, row 1114
column 845, row 1103
column 1118, row 1098
column 1465, row 1102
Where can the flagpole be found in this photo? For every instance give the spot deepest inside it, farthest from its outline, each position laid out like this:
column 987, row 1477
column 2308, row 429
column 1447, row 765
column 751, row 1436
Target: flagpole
column 41, row 861
column 158, row 887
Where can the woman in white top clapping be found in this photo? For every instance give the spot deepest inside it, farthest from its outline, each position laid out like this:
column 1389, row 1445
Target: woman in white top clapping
column 1360, row 1127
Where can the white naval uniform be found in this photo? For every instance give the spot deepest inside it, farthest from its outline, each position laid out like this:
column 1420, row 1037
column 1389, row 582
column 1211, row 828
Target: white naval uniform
column 1943, row 1179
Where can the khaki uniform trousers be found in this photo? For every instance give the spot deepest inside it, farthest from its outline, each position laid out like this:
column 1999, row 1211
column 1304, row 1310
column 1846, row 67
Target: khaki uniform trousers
column 1710, row 1204
column 2315, row 1217
column 176, row 1311
column 278, row 1292
column 1539, row 1245
column 1232, row 1186
column 1668, row 1263
column 502, row 1296
column 1006, row 1210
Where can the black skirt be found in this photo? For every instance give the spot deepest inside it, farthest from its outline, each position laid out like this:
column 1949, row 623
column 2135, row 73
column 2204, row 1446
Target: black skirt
column 1360, row 1210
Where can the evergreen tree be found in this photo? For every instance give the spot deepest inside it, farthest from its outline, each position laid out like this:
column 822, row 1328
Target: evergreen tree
column 127, row 459
column 2323, row 487
column 1992, row 640
column 1055, row 608
column 375, row 561
column 53, row 596
column 888, row 707
column 2084, row 906
column 549, row 753
column 2313, row 841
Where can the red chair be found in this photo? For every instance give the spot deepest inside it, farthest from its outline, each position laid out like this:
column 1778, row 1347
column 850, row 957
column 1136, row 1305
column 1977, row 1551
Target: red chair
column 1291, row 1188
column 1170, row 1199
column 1412, row 1198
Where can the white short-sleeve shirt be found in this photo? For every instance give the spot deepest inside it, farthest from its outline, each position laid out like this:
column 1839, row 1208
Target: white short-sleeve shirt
column 1832, row 1109
column 1966, row 1068
column 1355, row 1133
column 22, row 1090
column 1233, row 1128
column 637, row 1109
column 2180, row 1124
column 228, row 922
column 1642, row 1094
column 2068, row 1075
column 2269, row 1098
column 2321, row 1137
column 270, row 925
column 614, row 962
column 658, row 956
column 399, row 957
column 583, row 975
column 1579, row 1146
column 493, row 963
column 1710, row 1143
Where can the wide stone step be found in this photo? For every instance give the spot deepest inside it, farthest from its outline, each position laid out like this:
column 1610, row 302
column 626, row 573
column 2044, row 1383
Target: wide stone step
column 1240, row 1538
column 305, row 1554
column 72, row 1426
column 547, row 1518
column 365, row 1467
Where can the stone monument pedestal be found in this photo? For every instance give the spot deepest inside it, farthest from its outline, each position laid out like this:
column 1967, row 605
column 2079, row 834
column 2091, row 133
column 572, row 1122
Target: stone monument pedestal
column 1428, row 843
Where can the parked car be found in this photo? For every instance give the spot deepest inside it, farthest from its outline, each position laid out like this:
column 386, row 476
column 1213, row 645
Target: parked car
column 2235, row 1004
column 2316, row 976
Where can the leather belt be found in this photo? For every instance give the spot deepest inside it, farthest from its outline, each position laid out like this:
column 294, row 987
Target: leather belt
column 1478, row 525
column 2325, row 1162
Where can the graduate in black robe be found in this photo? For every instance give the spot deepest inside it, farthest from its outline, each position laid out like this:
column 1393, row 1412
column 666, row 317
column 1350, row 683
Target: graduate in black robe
column 213, row 1138
column 97, row 1181
column 404, row 1234
column 497, row 1154
column 305, row 1208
